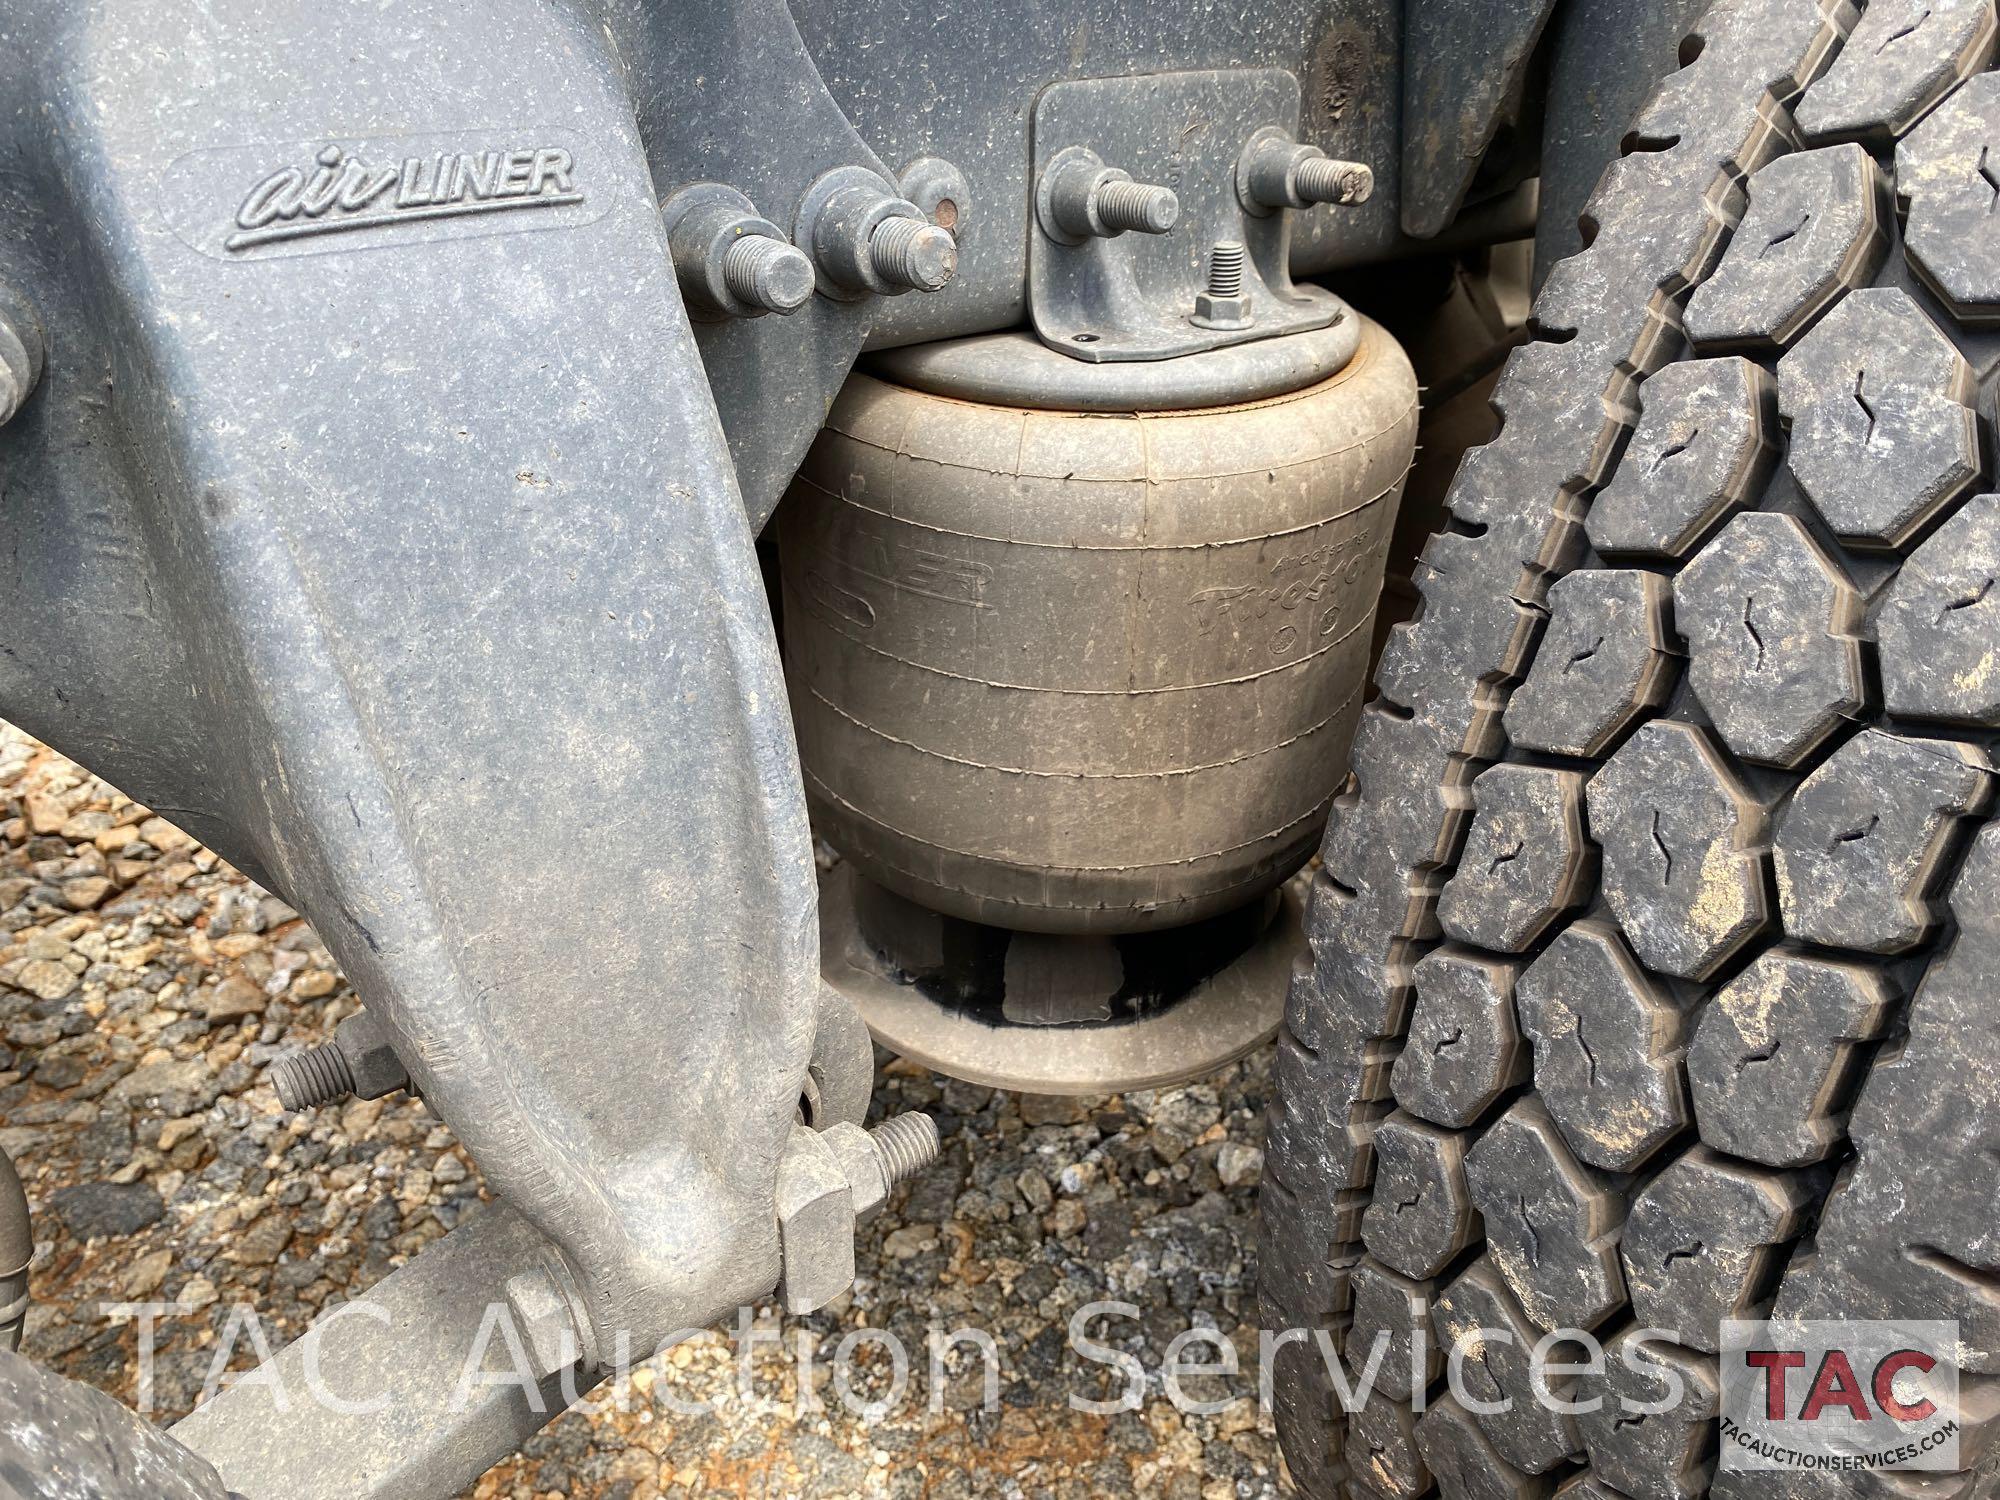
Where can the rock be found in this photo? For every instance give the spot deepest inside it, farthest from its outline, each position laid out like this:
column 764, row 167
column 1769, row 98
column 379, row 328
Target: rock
column 233, row 999
column 238, row 943
column 146, row 1273
column 45, row 812
column 81, row 828
column 45, row 979
column 263, row 1241
column 910, row 1241
column 175, row 1131
column 44, row 944
column 1035, row 1190
column 199, row 1292
column 313, row 984
column 95, row 1210
column 1239, row 1165
column 1068, row 1219
column 85, row 892
column 59, row 1071
column 163, row 836
column 1052, row 1109
column 169, row 1087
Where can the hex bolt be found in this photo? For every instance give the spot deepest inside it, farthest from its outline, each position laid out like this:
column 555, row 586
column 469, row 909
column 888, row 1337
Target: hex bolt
column 555, row 1333
column 306, row 1080
column 361, row 1059
column 913, row 253
column 768, row 273
column 1080, row 198
column 1222, row 304
column 1138, row 205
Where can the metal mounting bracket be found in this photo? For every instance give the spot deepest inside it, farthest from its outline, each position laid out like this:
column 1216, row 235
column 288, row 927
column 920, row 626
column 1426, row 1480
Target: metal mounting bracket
column 1132, row 296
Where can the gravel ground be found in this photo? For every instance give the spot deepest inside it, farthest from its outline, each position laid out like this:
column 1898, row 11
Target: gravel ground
column 144, row 984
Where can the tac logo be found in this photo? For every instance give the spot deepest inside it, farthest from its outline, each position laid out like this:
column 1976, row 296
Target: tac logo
column 1840, row 1396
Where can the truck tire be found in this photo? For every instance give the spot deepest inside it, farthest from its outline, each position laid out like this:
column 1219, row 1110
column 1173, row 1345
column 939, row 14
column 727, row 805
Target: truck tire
column 1654, row 970
column 63, row 1440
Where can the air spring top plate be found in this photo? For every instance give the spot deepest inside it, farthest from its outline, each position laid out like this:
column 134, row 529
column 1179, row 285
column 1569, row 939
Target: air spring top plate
column 1018, row 369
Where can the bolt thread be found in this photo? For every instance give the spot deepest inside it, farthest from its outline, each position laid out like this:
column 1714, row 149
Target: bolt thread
column 1225, row 269
column 1138, row 205
column 913, row 253
column 907, row 1144
column 1321, row 179
column 767, row 273
column 316, row 1076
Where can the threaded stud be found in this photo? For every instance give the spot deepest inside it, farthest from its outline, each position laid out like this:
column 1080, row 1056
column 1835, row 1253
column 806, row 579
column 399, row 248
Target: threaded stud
column 913, row 253
column 1138, row 205
column 768, row 273
column 906, row 1145
column 305, row 1080
column 20, row 364
column 1322, row 179
column 1225, row 269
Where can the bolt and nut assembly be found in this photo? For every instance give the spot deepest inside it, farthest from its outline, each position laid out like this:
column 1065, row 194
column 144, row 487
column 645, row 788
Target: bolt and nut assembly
column 360, row 1061
column 1081, row 198
column 1223, row 303
column 827, row 1180
column 731, row 261
column 1276, row 172
column 865, row 239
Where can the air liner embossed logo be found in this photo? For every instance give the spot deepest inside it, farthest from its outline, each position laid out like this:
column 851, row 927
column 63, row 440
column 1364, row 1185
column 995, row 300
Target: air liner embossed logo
column 341, row 193
column 280, row 199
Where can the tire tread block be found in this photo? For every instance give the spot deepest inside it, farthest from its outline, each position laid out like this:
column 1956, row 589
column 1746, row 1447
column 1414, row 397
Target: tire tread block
column 1665, row 1455
column 1530, row 1434
column 1705, row 446
column 1683, row 844
column 1902, row 57
column 1704, row 1242
column 1525, row 860
column 1938, row 627
column 1420, row 1214
column 1775, row 1052
column 1814, row 230
column 1883, row 431
column 1773, row 630
column 1860, row 849
column 1551, row 1222
column 1608, row 1047
column 1941, row 170
column 1464, row 1048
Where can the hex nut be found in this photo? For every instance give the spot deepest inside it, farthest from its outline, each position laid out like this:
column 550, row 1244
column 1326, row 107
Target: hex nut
column 371, row 1056
column 816, row 1215
column 862, row 1162
column 543, row 1318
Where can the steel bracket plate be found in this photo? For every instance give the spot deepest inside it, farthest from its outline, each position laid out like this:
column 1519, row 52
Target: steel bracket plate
column 1131, row 297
